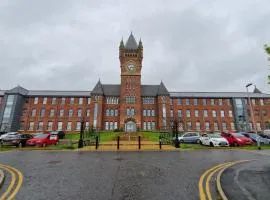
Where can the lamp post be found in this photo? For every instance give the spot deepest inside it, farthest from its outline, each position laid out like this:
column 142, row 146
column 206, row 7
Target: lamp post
column 252, row 115
column 80, row 144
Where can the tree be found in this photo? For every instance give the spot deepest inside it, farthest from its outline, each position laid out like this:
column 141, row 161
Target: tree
column 267, row 50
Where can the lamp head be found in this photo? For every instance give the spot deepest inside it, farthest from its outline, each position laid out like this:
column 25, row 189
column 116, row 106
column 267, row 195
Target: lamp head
column 249, row 85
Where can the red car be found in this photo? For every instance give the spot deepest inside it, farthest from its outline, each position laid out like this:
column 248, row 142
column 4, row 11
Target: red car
column 236, row 139
column 43, row 140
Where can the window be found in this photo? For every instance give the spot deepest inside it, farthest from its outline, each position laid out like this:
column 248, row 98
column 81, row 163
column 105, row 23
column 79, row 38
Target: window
column 42, row 112
column 22, row 125
column 222, row 114
column 72, row 100
column 153, row 113
column 198, row 126
column 31, row 126
column 53, row 100
column 106, row 125
column 228, row 102
column 179, row 101
column 80, row 100
column 230, row 113
column 0, row 100
column 212, row 102
column 69, row 125
column 144, row 113
column 36, row 100
column 214, row 113
column 111, row 125
column 34, row 112
column 253, row 101
column 51, row 113
column 144, row 126
column 45, row 100
column 79, row 112
column 148, row 100
column 153, row 125
column 61, row 112
column 224, row 126
column 259, row 128
column 179, row 113
column 187, row 102
column 148, row 113
column 149, row 125
column 250, row 125
column 50, row 126
column 107, row 113
column 195, row 102
column 116, row 112
column 70, row 112
column 87, row 112
column 187, row 113
column 130, row 112
column 215, row 126
column 205, row 113
column 189, row 126
column 196, row 113
column 171, row 102
column 261, row 102
column 87, row 125
column 63, row 100
column 40, row 126
column 88, row 100
column 78, row 126
column 111, row 112
column 130, row 99
column 207, row 126
column 171, row 113
column 204, row 102
column 220, row 102
column 232, row 126
column 115, row 125
column 59, row 126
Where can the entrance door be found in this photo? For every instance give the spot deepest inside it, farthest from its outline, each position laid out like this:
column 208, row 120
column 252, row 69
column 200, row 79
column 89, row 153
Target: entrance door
column 130, row 126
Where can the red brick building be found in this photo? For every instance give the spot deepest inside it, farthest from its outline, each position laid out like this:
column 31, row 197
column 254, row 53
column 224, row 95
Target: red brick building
column 131, row 105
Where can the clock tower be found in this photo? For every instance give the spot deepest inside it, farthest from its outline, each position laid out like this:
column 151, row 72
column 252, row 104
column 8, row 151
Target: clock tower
column 131, row 56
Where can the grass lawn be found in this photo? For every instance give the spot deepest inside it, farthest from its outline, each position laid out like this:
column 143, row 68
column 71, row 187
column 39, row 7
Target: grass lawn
column 104, row 136
column 151, row 136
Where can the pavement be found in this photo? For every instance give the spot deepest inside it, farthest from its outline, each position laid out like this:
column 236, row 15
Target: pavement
column 114, row 175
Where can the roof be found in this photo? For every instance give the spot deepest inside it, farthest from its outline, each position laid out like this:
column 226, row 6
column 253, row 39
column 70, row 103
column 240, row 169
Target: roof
column 58, row 93
column 17, row 90
column 162, row 90
column 219, row 94
column 131, row 42
column 98, row 88
column 2, row 92
column 149, row 90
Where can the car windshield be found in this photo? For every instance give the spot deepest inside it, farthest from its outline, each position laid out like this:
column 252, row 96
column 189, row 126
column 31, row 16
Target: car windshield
column 41, row 136
column 238, row 135
column 215, row 136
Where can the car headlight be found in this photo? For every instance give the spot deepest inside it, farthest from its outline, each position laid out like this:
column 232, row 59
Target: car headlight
column 239, row 140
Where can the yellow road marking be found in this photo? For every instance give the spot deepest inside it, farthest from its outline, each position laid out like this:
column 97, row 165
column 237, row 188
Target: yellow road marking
column 11, row 187
column 201, row 190
column 208, row 192
column 219, row 188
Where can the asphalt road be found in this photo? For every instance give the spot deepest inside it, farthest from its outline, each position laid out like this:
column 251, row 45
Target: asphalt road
column 115, row 175
column 248, row 181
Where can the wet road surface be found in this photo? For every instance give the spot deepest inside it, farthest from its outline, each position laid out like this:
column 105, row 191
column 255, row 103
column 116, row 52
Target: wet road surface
column 115, row 175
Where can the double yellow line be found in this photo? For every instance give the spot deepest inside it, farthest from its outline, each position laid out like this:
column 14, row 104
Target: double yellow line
column 15, row 183
column 204, row 182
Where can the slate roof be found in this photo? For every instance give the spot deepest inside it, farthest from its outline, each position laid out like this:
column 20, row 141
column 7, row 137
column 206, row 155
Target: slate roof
column 218, row 94
column 17, row 90
column 58, row 93
column 131, row 42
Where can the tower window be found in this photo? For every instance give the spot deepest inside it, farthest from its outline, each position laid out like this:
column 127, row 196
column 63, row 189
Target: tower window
column 130, row 99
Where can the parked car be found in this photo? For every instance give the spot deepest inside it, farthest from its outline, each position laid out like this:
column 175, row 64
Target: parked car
column 43, row 140
column 61, row 134
column 213, row 140
column 264, row 135
column 190, row 137
column 255, row 138
column 7, row 134
column 236, row 139
column 18, row 140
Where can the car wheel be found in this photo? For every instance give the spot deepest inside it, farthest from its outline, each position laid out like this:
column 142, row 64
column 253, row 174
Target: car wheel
column 262, row 143
column 201, row 142
column 211, row 144
column 198, row 141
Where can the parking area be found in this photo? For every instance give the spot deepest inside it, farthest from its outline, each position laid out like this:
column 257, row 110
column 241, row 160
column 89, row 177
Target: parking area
column 115, row 175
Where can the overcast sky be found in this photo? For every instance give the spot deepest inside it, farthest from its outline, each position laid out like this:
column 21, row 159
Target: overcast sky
column 191, row 45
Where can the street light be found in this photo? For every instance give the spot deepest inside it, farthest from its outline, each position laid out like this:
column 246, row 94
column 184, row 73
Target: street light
column 252, row 115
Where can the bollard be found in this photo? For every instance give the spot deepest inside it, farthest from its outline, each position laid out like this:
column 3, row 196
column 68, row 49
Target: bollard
column 118, row 141
column 159, row 142
column 139, row 142
column 96, row 142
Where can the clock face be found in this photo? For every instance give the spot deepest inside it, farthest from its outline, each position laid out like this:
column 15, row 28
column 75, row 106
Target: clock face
column 131, row 67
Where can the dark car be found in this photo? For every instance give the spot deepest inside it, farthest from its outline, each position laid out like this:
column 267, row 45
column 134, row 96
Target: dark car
column 18, row 140
column 60, row 134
